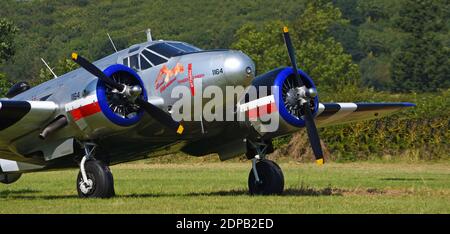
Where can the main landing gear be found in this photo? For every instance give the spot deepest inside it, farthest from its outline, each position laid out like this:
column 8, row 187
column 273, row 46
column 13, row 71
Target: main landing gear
column 94, row 179
column 265, row 177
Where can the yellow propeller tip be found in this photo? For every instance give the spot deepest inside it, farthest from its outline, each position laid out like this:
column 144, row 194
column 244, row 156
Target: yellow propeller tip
column 320, row 162
column 74, row 56
column 180, row 129
column 285, row 29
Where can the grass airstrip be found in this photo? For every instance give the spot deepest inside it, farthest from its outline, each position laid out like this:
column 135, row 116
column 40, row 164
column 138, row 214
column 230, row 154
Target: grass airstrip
column 214, row 187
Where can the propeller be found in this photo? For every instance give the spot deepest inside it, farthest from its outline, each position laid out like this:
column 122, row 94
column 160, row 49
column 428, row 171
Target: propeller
column 132, row 93
column 305, row 93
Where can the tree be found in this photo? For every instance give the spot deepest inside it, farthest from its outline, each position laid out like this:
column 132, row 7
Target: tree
column 7, row 31
column 4, row 85
column 422, row 63
column 63, row 66
column 317, row 52
column 376, row 72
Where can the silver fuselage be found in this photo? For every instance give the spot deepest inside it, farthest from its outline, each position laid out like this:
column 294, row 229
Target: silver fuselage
column 148, row 137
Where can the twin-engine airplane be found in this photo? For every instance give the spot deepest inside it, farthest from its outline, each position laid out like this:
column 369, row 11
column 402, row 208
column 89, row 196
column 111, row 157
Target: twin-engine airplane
column 120, row 109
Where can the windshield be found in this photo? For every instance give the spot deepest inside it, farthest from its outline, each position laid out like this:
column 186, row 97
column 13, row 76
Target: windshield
column 171, row 49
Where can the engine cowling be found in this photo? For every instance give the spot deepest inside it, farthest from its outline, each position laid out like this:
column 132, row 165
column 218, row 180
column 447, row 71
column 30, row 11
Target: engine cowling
column 277, row 103
column 103, row 110
column 113, row 107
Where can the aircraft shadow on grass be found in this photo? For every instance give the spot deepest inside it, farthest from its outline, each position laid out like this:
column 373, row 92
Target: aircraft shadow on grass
column 8, row 193
column 32, row 194
column 406, row 179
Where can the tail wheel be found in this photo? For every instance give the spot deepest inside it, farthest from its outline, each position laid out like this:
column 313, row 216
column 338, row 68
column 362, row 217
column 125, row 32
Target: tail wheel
column 271, row 179
column 100, row 181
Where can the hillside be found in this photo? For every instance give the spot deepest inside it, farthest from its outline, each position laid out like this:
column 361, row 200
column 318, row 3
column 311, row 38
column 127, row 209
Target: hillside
column 378, row 47
column 52, row 29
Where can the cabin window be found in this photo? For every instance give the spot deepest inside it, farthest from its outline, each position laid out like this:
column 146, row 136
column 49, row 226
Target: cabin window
column 125, row 62
column 134, row 63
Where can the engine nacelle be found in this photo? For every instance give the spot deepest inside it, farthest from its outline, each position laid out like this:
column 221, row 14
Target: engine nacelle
column 102, row 111
column 274, row 105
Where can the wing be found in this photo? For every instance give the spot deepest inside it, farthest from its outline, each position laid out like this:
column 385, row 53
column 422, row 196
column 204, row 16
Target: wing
column 340, row 113
column 17, row 118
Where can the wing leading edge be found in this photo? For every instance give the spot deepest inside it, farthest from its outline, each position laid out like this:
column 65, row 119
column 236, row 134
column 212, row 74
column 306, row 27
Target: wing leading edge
column 20, row 117
column 340, row 113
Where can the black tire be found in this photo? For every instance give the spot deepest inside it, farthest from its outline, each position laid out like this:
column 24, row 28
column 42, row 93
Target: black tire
column 102, row 179
column 271, row 176
column 7, row 178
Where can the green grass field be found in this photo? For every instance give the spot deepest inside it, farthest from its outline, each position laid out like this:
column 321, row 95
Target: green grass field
column 222, row 188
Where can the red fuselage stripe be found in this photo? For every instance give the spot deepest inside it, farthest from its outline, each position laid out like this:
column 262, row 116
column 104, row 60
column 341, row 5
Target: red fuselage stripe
column 262, row 110
column 85, row 111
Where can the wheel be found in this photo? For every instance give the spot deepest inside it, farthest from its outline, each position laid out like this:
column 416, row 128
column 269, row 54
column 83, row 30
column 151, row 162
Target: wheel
column 100, row 181
column 271, row 179
column 6, row 178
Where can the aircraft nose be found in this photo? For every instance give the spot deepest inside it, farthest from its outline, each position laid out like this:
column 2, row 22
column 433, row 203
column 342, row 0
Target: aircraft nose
column 239, row 68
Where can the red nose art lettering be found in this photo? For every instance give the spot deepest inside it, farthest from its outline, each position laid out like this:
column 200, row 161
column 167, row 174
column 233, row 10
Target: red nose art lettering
column 191, row 79
column 85, row 111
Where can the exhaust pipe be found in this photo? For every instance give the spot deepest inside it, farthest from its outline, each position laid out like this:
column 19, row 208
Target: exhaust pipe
column 56, row 124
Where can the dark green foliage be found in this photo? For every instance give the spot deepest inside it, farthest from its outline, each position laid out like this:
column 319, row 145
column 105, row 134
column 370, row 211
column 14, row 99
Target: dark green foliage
column 385, row 40
column 422, row 64
column 318, row 53
column 419, row 133
column 63, row 66
column 399, row 45
column 53, row 29
column 349, row 9
column 371, row 32
column 4, row 85
column 7, row 31
column 347, row 35
column 376, row 71
column 7, row 49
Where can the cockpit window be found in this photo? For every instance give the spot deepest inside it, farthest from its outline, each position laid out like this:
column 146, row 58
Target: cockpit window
column 157, row 54
column 165, row 50
column 185, row 47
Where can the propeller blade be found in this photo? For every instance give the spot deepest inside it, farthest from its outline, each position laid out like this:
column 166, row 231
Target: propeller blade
column 313, row 134
column 91, row 68
column 160, row 115
column 291, row 52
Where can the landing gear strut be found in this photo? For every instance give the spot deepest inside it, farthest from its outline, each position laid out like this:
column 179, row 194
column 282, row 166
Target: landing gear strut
column 265, row 177
column 94, row 179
